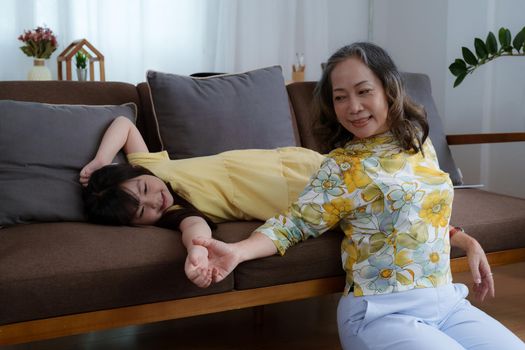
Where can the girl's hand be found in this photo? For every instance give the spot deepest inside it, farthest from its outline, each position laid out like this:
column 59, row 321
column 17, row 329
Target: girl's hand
column 480, row 269
column 89, row 169
column 222, row 258
column 196, row 266
column 121, row 134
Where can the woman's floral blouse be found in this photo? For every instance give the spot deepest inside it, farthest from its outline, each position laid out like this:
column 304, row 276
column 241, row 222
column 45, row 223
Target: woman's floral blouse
column 393, row 206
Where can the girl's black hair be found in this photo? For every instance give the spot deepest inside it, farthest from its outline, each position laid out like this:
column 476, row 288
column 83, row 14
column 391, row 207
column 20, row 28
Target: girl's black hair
column 105, row 201
column 406, row 119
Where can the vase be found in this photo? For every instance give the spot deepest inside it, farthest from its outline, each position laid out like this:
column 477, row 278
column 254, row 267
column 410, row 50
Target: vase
column 82, row 74
column 39, row 71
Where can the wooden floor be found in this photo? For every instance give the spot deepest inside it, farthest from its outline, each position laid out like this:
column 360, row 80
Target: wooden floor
column 306, row 324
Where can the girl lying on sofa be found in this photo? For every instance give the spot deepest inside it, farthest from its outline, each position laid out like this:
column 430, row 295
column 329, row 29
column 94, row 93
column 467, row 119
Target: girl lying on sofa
column 190, row 195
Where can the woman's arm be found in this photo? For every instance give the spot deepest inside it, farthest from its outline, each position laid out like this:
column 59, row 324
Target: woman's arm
column 478, row 263
column 121, row 134
column 306, row 218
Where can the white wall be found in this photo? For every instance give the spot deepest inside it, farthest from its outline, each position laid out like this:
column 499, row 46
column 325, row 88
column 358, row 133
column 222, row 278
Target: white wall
column 186, row 36
column 426, row 36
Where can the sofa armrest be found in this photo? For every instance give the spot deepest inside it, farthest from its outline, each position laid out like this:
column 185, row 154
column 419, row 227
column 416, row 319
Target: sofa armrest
column 469, row 139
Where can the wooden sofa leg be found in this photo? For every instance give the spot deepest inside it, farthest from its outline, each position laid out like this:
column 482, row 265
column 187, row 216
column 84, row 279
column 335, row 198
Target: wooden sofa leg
column 258, row 316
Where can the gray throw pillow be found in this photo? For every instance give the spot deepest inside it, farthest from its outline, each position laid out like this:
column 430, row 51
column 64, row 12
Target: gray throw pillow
column 42, row 149
column 204, row 116
column 418, row 88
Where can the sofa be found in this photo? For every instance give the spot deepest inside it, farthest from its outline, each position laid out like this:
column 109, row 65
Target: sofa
column 70, row 277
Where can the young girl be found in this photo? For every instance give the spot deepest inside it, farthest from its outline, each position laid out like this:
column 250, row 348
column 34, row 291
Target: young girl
column 190, row 194
column 383, row 187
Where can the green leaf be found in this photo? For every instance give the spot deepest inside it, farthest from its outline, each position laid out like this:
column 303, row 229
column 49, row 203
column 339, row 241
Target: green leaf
column 459, row 79
column 27, row 51
column 377, row 241
column 523, row 48
column 519, row 40
column 403, row 258
column 469, row 57
column 504, row 39
column 492, row 43
column 311, row 213
column 481, row 48
column 458, row 67
column 406, row 240
column 501, row 36
column 419, row 232
column 508, row 37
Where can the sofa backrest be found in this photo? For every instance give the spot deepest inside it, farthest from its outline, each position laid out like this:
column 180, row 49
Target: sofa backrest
column 70, row 92
column 88, row 93
column 300, row 97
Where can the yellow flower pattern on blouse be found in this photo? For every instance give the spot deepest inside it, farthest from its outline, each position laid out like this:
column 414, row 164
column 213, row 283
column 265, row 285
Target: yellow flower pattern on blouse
column 394, row 207
column 336, row 210
column 436, row 208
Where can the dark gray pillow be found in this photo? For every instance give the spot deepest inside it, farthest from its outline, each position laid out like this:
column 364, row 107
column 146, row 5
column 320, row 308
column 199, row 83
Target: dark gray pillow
column 42, row 149
column 418, row 87
column 204, row 116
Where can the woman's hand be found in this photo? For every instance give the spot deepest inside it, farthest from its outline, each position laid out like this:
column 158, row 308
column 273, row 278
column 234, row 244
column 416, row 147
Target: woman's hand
column 89, row 169
column 222, row 258
column 479, row 266
column 196, row 266
column 480, row 269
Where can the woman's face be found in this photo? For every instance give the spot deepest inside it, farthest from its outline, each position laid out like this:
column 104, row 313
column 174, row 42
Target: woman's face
column 359, row 99
column 154, row 198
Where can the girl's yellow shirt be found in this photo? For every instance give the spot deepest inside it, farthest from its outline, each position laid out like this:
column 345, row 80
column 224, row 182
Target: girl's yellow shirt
column 236, row 185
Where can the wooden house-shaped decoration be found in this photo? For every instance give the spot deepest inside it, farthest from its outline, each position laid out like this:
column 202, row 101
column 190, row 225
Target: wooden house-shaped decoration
column 87, row 49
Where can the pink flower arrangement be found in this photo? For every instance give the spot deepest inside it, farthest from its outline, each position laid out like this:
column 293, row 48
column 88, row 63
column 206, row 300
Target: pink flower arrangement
column 39, row 42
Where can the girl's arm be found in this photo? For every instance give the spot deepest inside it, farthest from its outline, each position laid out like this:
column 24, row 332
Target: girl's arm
column 224, row 257
column 121, row 134
column 197, row 266
column 479, row 266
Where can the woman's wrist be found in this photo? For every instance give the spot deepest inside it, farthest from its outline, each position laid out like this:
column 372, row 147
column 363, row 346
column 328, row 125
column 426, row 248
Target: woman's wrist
column 454, row 229
column 258, row 245
column 462, row 240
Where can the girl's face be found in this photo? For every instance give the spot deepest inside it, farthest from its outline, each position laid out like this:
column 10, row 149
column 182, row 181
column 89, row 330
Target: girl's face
column 153, row 196
column 359, row 99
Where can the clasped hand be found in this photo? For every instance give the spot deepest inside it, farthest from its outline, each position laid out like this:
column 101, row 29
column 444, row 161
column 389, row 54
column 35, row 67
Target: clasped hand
column 209, row 260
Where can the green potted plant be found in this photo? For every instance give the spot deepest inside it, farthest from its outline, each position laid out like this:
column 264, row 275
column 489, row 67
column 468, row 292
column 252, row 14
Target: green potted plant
column 81, row 60
column 487, row 51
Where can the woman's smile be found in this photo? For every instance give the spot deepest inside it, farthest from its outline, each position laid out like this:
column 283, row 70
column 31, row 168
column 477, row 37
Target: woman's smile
column 361, row 122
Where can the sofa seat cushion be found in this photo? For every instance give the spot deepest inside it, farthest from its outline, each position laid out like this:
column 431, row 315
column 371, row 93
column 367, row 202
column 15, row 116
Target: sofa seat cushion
column 497, row 221
column 52, row 269
column 311, row 259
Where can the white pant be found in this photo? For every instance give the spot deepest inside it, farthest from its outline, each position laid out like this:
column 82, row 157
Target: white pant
column 420, row 319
